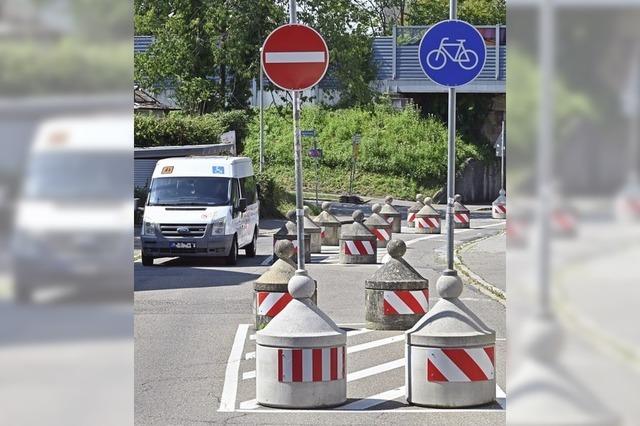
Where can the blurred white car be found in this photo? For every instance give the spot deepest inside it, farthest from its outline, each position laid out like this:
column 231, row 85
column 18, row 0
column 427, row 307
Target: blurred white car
column 73, row 217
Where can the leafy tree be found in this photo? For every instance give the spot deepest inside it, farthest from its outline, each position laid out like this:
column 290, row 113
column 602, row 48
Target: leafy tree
column 207, row 50
column 344, row 25
column 477, row 12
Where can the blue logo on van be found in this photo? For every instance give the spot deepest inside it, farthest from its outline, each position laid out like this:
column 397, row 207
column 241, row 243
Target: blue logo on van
column 218, row 170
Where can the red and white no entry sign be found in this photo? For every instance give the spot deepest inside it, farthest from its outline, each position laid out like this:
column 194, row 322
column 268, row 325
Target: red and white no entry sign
column 295, row 57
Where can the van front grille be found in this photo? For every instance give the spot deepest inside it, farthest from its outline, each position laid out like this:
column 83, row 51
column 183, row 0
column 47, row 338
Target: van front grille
column 183, row 230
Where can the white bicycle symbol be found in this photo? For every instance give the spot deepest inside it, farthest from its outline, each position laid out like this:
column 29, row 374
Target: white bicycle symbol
column 466, row 58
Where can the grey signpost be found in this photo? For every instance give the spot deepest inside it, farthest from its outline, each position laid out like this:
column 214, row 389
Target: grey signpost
column 355, row 141
column 261, row 103
column 451, row 156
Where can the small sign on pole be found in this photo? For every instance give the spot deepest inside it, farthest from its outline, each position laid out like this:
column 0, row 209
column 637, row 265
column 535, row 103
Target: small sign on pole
column 309, row 133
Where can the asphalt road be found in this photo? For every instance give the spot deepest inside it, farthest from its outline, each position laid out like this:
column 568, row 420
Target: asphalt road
column 188, row 314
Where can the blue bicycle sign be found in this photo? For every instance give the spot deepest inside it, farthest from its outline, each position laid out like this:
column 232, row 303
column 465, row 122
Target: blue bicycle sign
column 452, row 53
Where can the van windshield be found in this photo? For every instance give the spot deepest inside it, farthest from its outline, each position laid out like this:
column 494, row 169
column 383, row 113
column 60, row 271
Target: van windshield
column 189, row 191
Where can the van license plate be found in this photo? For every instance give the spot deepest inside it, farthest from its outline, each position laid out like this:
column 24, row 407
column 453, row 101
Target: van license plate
column 183, row 245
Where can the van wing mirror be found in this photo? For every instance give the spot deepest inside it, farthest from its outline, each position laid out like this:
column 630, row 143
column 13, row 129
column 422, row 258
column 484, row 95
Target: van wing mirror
column 242, row 205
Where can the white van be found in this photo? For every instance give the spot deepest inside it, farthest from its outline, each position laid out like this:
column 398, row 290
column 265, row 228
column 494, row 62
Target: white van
column 72, row 225
column 201, row 206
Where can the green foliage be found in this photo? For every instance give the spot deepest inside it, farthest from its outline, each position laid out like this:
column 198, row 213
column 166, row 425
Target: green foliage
column 181, row 129
column 65, row 66
column 206, row 50
column 477, row 12
column 400, row 152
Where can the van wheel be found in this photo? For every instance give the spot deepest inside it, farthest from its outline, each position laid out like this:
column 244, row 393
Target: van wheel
column 250, row 250
column 147, row 260
column 232, row 257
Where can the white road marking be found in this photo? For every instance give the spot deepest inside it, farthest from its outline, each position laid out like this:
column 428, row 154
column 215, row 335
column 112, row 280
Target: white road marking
column 377, row 369
column 249, row 375
column 351, row 333
column 252, row 337
column 375, row 344
column 251, row 404
column 293, row 57
column 501, row 397
column 372, row 401
column 230, row 388
column 267, row 261
column 250, row 355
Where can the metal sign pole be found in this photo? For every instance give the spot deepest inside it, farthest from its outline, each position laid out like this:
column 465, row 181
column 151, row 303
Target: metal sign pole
column 317, row 159
column 451, row 158
column 503, row 150
column 297, row 153
column 261, row 103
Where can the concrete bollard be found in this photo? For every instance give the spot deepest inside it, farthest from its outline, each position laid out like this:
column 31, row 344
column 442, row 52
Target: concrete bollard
column 396, row 296
column 449, row 353
column 461, row 214
column 428, row 219
column 271, row 291
column 391, row 215
column 627, row 202
column 289, row 232
column 563, row 222
column 378, row 226
column 415, row 208
column 301, row 354
column 357, row 243
column 329, row 226
column 499, row 206
column 312, row 229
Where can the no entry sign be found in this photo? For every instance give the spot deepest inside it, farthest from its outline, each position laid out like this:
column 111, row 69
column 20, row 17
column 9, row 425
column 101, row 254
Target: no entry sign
column 295, row 57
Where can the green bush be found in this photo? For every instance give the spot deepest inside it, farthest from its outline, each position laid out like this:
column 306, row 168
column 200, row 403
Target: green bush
column 182, row 129
column 400, row 152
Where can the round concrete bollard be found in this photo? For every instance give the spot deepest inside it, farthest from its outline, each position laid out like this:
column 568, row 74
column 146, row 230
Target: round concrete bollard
column 301, row 354
column 271, row 291
column 428, row 219
column 415, row 208
column 563, row 222
column 627, row 202
column 461, row 214
column 312, row 229
column 289, row 232
column 499, row 206
column 450, row 353
column 329, row 226
column 357, row 243
column 378, row 226
column 391, row 215
column 396, row 296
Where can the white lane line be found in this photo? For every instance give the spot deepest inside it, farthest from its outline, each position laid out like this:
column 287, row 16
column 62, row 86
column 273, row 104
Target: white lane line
column 252, row 337
column 251, row 404
column 351, row 324
column 501, row 397
column 375, row 344
column 230, row 388
column 356, row 375
column 250, row 355
column 267, row 261
column 351, row 333
column 377, row 369
column 372, row 401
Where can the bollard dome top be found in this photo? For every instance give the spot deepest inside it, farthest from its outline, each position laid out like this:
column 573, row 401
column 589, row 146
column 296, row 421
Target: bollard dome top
column 375, row 220
column 428, row 210
column 284, row 249
column 357, row 229
column 277, row 277
column 388, row 199
column 420, row 198
column 388, row 209
column 301, row 285
column 326, row 206
column 450, row 323
column 291, row 215
column 458, row 206
column 457, row 198
column 396, row 248
column 396, row 273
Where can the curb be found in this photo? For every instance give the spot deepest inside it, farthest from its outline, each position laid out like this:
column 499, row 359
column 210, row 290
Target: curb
column 476, row 280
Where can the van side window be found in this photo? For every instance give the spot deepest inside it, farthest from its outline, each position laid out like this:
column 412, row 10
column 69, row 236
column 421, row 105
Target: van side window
column 249, row 189
column 235, row 192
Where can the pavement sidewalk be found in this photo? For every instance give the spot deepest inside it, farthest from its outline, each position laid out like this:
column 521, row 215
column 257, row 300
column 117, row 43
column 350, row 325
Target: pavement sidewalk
column 486, row 258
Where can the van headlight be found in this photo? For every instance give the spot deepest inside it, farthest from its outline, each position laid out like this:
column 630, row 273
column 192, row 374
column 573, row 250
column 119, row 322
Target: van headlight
column 217, row 226
column 149, row 229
